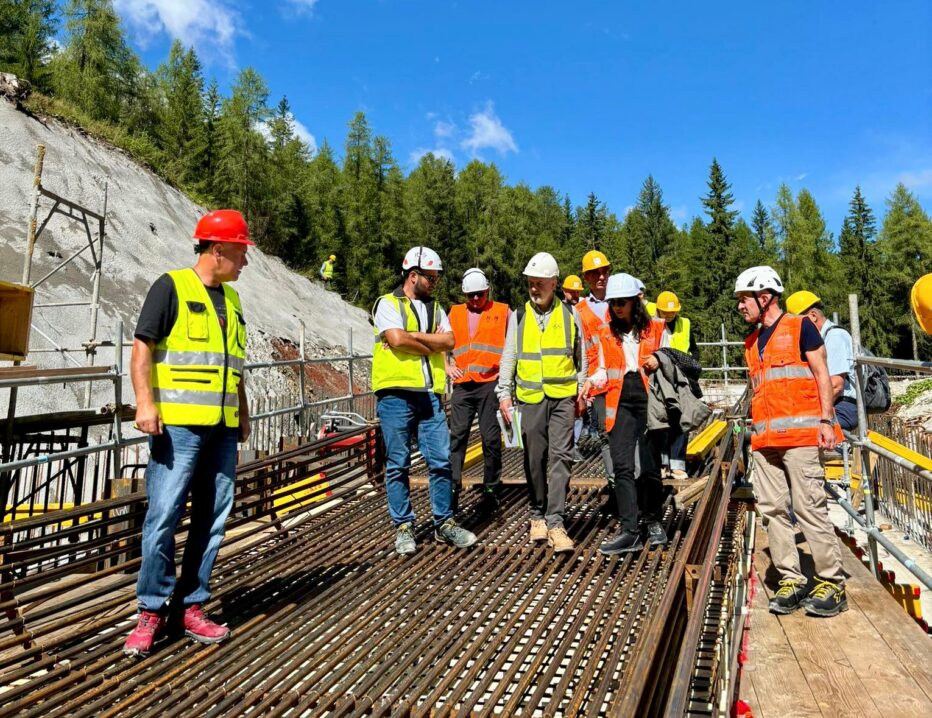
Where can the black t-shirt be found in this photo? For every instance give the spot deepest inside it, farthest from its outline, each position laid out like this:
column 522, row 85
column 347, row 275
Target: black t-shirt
column 809, row 337
column 160, row 310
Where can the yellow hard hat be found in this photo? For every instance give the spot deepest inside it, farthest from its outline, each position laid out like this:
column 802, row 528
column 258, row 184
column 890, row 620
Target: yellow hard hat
column 333, row 258
column 921, row 299
column 668, row 302
column 573, row 283
column 594, row 260
column 799, row 302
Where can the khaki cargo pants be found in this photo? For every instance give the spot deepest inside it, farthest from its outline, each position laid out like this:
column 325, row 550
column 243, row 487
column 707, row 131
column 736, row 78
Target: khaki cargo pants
column 794, row 477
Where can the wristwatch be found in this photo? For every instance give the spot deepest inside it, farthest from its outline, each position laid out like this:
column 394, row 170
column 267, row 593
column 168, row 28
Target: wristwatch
column 831, row 422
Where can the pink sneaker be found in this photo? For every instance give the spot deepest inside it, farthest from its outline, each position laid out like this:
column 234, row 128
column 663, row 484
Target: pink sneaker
column 202, row 629
column 148, row 630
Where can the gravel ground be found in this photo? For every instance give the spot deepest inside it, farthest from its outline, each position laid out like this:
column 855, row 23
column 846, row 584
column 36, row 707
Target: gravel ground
column 149, row 226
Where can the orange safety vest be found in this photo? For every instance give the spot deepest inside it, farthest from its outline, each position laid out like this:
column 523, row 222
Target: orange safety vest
column 591, row 324
column 614, row 355
column 480, row 356
column 785, row 405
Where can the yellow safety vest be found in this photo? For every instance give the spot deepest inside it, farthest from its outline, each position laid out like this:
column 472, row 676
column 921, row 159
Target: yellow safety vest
column 545, row 359
column 393, row 369
column 328, row 269
column 651, row 308
column 195, row 370
column 679, row 337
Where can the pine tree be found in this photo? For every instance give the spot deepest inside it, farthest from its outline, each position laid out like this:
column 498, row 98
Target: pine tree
column 181, row 125
column 722, row 264
column 289, row 225
column 206, row 152
column 906, row 242
column 27, row 34
column 96, row 70
column 241, row 179
column 590, row 224
column 360, row 198
column 648, row 235
column 860, row 261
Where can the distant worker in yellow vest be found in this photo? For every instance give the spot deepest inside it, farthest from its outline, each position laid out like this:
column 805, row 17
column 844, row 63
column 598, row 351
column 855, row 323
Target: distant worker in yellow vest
column 187, row 371
column 678, row 331
column 921, row 300
column 593, row 314
column 649, row 306
column 326, row 269
column 572, row 286
column 545, row 368
column 479, row 327
column 412, row 335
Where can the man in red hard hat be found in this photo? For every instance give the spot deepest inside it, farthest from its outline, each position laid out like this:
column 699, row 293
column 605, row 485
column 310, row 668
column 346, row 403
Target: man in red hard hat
column 187, row 370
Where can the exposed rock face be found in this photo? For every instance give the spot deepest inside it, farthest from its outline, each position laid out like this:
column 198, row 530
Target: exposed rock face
column 148, row 232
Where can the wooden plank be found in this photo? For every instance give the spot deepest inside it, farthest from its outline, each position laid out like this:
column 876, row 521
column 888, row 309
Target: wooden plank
column 906, row 640
column 780, row 687
column 31, row 372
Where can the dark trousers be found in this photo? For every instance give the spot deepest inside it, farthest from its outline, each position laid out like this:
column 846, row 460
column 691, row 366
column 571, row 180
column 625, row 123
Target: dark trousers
column 469, row 399
column 630, row 435
column 547, row 432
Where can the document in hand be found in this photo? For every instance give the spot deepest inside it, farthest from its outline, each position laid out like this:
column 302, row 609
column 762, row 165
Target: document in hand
column 512, row 434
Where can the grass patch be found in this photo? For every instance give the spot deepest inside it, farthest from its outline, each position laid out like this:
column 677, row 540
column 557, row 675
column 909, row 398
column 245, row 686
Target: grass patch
column 915, row 390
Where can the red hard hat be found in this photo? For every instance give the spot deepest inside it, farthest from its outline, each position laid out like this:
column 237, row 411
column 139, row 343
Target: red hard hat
column 223, row 225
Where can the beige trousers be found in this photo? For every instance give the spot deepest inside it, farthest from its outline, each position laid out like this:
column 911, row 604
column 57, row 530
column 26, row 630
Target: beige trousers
column 785, row 478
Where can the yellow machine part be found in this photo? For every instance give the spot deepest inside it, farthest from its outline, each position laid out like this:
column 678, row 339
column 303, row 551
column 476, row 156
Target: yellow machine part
column 706, row 440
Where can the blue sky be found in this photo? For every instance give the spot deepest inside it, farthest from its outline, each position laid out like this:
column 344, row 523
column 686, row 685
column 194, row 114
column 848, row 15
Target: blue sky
column 593, row 96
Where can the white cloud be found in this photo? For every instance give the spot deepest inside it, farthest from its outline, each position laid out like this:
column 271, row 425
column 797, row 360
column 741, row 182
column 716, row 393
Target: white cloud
column 302, row 7
column 801, row 176
column 443, row 130
column 440, row 152
column 488, row 132
column 209, row 25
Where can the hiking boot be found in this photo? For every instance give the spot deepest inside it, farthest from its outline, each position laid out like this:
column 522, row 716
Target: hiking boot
column 656, row 536
column 200, row 628
column 559, row 540
column 404, row 540
column 538, row 530
column 826, row 599
column 788, row 597
column 149, row 629
column 451, row 533
column 625, row 542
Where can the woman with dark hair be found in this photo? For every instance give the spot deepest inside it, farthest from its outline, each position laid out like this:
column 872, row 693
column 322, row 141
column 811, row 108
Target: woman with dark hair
column 627, row 346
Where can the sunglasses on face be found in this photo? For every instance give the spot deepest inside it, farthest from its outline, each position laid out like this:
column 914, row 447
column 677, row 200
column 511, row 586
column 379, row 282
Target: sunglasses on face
column 431, row 278
column 621, row 302
column 475, row 295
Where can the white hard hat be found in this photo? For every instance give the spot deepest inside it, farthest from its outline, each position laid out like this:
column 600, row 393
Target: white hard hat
column 621, row 286
column 422, row 258
column 474, row 280
column 542, row 265
column 757, row 279
column 641, row 287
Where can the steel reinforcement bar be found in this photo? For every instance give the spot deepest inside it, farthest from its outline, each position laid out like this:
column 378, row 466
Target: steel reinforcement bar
column 327, row 620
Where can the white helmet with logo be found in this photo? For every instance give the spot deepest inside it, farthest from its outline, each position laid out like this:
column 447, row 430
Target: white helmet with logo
column 622, row 286
column 542, row 265
column 474, row 280
column 759, row 279
column 422, row 258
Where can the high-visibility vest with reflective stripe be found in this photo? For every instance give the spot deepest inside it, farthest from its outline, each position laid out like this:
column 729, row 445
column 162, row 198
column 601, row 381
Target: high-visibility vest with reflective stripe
column 615, row 366
column 785, row 405
column 679, row 335
column 480, row 356
column 393, row 369
column 195, row 373
column 327, row 269
column 591, row 323
column 545, row 364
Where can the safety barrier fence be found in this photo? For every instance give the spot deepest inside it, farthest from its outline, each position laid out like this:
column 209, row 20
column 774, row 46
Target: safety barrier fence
column 889, row 493
column 59, row 467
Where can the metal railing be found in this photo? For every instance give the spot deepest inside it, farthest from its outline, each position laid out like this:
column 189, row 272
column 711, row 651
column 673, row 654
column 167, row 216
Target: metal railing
column 922, row 478
column 62, row 468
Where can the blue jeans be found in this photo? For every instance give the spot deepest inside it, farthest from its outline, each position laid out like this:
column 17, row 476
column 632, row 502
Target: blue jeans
column 196, row 459
column 403, row 415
